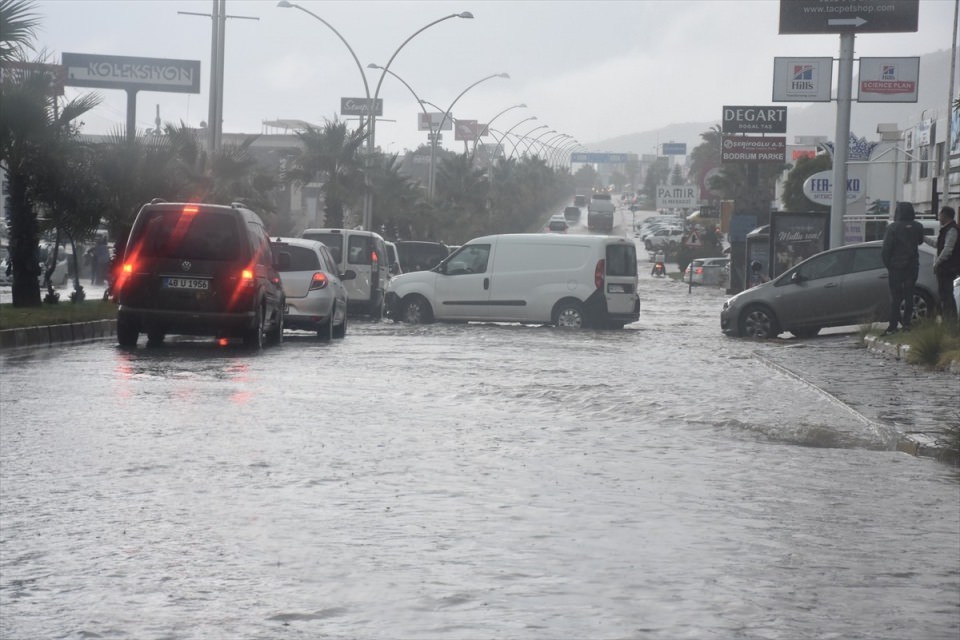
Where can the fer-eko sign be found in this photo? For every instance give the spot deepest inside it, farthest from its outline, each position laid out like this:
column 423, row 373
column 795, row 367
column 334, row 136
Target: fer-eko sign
column 754, row 119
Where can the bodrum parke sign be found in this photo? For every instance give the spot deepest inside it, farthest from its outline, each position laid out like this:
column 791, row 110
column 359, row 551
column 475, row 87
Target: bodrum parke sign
column 741, row 119
column 138, row 74
column 753, row 149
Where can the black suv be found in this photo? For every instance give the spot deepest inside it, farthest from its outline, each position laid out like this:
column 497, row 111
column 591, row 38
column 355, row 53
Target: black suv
column 198, row 269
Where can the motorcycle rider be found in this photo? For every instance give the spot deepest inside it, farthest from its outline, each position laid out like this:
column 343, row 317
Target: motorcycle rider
column 659, row 264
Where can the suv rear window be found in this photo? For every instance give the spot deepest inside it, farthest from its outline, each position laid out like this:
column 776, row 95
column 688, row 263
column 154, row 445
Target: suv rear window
column 301, row 258
column 621, row 260
column 205, row 235
column 601, row 196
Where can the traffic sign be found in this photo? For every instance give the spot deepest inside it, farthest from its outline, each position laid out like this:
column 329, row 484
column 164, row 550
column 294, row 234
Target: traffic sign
column 603, row 158
column 848, row 16
column 674, row 149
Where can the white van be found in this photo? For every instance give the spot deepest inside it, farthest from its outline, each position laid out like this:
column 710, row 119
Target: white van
column 365, row 254
column 540, row 278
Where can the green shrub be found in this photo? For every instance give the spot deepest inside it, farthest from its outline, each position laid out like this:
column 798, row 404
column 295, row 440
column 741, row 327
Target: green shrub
column 931, row 344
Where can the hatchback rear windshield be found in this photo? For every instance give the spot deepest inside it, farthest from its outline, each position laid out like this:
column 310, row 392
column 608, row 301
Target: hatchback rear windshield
column 601, row 196
column 301, row 258
column 334, row 242
column 621, row 260
column 204, row 235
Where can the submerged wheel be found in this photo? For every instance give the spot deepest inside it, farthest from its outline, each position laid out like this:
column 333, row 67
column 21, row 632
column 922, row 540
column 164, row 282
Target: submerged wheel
column 127, row 332
column 325, row 330
column 416, row 310
column 340, row 330
column 568, row 314
column 758, row 321
column 276, row 332
column 253, row 337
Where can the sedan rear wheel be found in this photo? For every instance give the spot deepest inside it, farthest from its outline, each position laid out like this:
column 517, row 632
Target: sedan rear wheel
column 340, row 330
column 758, row 322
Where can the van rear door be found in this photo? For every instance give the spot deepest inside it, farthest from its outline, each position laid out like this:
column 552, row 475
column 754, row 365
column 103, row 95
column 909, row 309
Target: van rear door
column 620, row 278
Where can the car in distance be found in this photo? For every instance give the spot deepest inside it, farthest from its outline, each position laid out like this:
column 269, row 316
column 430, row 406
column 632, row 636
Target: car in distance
column 198, row 269
column 580, row 200
column 572, row 215
column 316, row 298
column 570, row 281
column 706, row 271
column 838, row 287
column 420, row 255
column 557, row 223
column 600, row 213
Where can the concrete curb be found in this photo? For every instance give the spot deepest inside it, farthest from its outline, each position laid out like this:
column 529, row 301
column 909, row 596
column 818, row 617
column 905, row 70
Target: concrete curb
column 46, row 336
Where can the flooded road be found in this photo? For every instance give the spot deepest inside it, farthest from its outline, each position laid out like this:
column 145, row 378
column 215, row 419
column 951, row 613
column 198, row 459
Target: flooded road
column 467, row 481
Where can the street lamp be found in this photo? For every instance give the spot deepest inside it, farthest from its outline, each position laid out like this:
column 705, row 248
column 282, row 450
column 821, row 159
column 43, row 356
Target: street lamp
column 284, row 4
column 446, row 114
column 553, row 147
column 543, row 126
column 500, row 141
column 563, row 148
column 530, row 144
column 490, row 122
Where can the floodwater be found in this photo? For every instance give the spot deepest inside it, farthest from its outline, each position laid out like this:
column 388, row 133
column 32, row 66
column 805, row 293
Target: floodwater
column 471, row 481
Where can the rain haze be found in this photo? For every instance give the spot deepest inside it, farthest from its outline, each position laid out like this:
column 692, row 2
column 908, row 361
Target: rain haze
column 592, row 70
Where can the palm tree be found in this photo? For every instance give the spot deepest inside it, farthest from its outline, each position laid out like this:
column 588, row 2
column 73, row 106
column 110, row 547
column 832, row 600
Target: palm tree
column 36, row 135
column 18, row 28
column 331, row 156
column 401, row 210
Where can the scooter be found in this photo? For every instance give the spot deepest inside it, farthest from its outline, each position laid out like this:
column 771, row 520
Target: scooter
column 659, row 270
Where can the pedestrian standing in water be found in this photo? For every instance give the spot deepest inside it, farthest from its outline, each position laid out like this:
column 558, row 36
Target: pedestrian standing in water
column 901, row 257
column 946, row 266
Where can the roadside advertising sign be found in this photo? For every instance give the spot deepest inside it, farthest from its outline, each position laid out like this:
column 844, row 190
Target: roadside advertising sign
column 709, row 172
column 796, row 154
column 431, row 120
column 818, row 188
column 677, row 197
column 358, row 107
column 124, row 72
column 846, row 16
column 602, row 158
column 673, row 149
column 924, row 133
column 794, row 237
column 16, row 72
column 889, row 79
column 753, row 149
column 465, row 130
column 754, row 119
column 802, row 79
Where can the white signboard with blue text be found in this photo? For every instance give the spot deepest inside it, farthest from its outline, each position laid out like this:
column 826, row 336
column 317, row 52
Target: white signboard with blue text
column 802, row 79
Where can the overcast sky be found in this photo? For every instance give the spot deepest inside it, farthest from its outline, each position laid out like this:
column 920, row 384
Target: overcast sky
column 592, row 70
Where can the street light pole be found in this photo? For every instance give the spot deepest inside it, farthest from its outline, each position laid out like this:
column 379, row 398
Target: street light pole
column 490, row 122
column 554, row 158
column 526, row 151
column 446, row 114
column 506, row 133
column 543, row 126
column 285, row 4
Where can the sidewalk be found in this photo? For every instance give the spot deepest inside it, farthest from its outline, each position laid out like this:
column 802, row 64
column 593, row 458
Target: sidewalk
column 874, row 381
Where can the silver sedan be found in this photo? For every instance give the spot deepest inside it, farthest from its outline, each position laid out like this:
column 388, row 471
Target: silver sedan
column 316, row 296
column 835, row 288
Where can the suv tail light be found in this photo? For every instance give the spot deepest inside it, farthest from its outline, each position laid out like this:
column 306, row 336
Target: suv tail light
column 598, row 274
column 318, row 281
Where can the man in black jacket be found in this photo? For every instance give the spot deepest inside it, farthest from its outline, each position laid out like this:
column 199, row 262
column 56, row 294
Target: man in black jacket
column 946, row 266
column 901, row 257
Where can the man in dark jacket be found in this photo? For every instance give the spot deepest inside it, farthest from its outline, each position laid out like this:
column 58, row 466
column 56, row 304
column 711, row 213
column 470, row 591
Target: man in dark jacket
column 901, row 257
column 946, row 266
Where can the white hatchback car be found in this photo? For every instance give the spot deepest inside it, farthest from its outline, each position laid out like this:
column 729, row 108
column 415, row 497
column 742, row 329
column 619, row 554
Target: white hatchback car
column 316, row 296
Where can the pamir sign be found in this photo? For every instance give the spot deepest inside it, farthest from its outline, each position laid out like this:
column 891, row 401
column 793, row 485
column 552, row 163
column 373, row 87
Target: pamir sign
column 818, row 188
column 678, row 197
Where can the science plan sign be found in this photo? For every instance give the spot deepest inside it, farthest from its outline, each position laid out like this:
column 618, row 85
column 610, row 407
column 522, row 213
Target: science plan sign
column 889, row 79
column 678, row 197
column 818, row 188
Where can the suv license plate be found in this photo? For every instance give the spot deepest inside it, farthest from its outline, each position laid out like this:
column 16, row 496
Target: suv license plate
column 201, row 284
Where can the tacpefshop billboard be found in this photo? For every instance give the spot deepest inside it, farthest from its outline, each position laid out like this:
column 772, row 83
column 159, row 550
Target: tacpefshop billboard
column 754, row 119
column 124, row 72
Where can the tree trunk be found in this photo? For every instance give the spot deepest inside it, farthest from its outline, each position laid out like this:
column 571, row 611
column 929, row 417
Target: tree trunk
column 24, row 245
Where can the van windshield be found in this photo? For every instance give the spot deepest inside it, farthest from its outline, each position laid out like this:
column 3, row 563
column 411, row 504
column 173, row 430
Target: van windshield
column 334, row 242
column 621, row 260
column 205, row 235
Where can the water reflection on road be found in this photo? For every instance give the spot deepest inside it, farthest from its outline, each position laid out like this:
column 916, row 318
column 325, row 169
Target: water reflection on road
column 464, row 481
